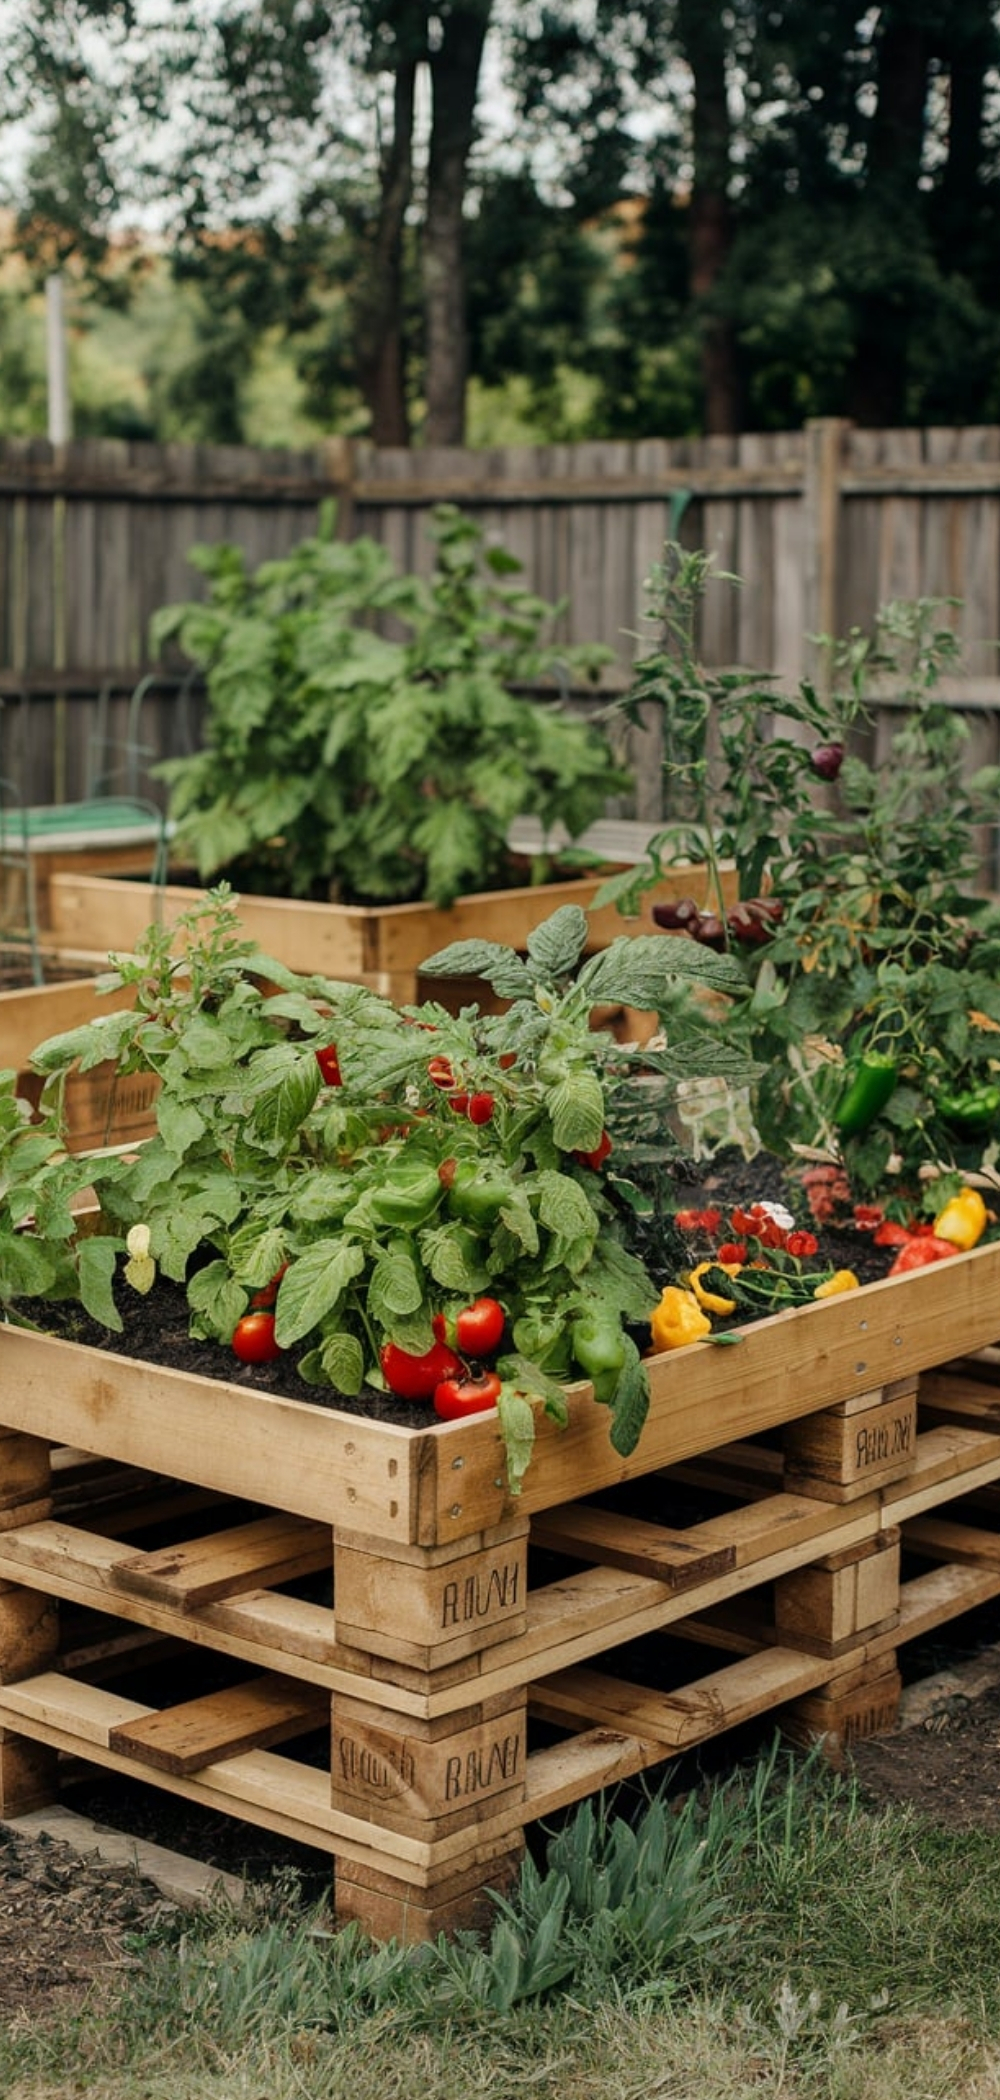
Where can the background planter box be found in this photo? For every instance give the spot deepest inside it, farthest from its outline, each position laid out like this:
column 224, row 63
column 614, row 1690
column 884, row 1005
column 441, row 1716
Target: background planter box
column 100, row 1108
column 381, row 946
column 465, row 1669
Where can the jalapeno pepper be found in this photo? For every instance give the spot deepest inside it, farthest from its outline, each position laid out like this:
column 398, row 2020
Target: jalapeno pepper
column 599, row 1349
column 872, row 1081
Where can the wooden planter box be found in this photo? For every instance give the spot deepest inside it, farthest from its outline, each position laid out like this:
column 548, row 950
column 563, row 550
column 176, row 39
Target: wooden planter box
column 381, row 946
column 465, row 1678
column 101, row 1109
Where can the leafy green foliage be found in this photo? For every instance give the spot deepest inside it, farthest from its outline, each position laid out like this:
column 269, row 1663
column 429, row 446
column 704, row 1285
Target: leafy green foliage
column 339, row 762
column 260, row 1171
column 879, row 941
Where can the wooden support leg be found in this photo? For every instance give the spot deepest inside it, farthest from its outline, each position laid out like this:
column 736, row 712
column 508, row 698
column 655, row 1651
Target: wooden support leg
column 422, row 1617
column 837, row 1602
column 856, row 1703
column 843, row 1452
column 29, row 1623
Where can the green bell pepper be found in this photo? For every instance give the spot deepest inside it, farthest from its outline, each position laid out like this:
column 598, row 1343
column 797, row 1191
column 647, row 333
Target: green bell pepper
column 477, row 1194
column 972, row 1112
column 599, row 1349
column 407, row 1196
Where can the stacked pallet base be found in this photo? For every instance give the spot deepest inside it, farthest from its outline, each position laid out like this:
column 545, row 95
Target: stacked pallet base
column 408, row 1704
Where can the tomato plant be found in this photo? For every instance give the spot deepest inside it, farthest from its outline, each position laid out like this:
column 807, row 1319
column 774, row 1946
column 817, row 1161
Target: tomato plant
column 364, row 1228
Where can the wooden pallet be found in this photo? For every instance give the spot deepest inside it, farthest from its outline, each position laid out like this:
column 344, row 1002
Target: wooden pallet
column 454, row 1657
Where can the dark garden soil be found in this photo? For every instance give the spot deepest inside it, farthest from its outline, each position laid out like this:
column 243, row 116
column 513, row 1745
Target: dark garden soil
column 67, row 1924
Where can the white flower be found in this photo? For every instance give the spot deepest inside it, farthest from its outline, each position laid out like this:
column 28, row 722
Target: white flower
column 778, row 1214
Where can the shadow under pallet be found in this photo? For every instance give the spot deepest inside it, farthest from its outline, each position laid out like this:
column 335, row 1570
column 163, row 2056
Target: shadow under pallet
column 460, row 1662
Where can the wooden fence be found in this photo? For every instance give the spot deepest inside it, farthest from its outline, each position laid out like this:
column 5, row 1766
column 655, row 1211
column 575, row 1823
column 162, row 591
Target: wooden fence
column 821, row 524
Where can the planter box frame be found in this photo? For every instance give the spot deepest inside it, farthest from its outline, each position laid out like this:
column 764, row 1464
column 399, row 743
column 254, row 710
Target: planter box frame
column 436, row 1647
column 382, row 946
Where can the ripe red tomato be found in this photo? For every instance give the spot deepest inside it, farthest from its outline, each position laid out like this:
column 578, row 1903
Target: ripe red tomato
column 439, row 1072
column 415, row 1377
column 480, row 1108
column 459, row 1104
column 479, row 1328
column 329, row 1065
column 469, row 1395
column 253, row 1338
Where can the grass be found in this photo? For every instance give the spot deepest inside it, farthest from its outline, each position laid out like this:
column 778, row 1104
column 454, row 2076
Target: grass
column 773, row 1938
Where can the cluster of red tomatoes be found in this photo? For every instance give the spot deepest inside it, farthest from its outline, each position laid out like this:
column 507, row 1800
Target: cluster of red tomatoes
column 452, row 1373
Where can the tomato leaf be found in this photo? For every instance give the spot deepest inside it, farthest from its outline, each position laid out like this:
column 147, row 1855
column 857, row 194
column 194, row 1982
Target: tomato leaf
column 97, row 1267
column 312, row 1285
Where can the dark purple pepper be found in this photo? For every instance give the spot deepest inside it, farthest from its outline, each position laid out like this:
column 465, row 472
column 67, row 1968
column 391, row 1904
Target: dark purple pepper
column 709, row 930
column 681, row 914
column 826, row 760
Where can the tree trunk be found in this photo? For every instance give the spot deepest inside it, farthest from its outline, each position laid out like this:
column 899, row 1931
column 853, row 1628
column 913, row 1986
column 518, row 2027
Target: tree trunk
column 877, row 383
column 378, row 295
column 455, row 80
column 703, row 38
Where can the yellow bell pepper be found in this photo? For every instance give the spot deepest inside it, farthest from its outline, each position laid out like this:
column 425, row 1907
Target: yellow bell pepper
column 963, row 1220
column 841, row 1280
column 711, row 1301
column 678, row 1319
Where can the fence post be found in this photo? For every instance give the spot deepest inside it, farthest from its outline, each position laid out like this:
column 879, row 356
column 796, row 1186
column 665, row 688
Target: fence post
column 820, row 537
column 338, row 459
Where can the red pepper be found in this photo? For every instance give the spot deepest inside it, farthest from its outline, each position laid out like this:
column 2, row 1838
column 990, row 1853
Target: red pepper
column 920, row 1252
column 597, row 1157
column 890, row 1234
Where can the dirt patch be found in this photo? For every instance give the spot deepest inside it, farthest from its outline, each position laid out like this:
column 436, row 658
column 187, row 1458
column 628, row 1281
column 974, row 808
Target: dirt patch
column 947, row 1767
column 66, row 1926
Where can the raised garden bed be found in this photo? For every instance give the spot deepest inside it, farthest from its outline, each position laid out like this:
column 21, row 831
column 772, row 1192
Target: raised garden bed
column 474, row 1646
column 381, row 946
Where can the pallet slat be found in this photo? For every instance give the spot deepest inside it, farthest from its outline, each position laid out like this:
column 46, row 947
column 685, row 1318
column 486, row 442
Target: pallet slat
column 251, row 1716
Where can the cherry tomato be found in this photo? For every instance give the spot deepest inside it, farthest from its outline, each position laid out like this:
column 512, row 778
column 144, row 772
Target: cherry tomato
column 439, row 1072
column 480, row 1108
column 253, row 1338
column 459, row 1104
column 479, row 1328
column 416, row 1377
column 470, row 1394
column 329, row 1065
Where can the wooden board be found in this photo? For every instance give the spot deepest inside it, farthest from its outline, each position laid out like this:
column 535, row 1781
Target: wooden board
column 198, row 1732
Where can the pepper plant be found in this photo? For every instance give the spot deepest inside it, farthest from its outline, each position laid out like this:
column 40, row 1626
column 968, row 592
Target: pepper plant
column 341, row 761
column 871, row 960
column 364, row 1200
